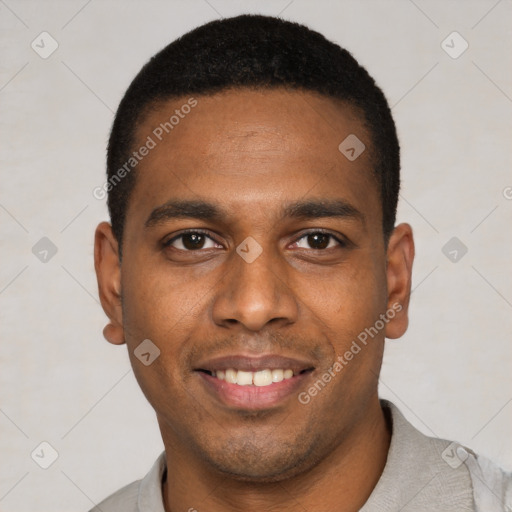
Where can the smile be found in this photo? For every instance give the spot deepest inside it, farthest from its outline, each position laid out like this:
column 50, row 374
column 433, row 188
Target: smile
column 253, row 391
column 260, row 378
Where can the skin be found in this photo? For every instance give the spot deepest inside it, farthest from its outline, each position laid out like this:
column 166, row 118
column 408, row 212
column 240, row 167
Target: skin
column 250, row 153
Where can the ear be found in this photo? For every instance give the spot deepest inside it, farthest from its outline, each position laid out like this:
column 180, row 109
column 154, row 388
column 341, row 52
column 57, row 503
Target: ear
column 400, row 256
column 108, row 274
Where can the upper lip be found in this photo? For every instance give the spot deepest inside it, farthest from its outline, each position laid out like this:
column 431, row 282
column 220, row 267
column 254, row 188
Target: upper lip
column 254, row 364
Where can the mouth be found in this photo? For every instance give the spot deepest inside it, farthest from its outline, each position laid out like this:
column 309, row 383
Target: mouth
column 259, row 378
column 248, row 383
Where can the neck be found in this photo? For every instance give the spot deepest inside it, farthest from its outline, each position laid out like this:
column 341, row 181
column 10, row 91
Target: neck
column 354, row 465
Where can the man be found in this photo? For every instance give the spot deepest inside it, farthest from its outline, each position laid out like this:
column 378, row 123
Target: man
column 254, row 269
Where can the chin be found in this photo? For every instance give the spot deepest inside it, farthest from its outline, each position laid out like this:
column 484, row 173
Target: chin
column 256, row 464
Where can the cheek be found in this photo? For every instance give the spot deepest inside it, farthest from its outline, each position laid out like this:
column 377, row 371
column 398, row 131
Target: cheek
column 159, row 301
column 168, row 309
column 349, row 300
column 349, row 307
column 164, row 310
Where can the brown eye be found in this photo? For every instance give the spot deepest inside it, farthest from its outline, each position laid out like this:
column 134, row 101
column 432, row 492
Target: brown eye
column 192, row 241
column 318, row 240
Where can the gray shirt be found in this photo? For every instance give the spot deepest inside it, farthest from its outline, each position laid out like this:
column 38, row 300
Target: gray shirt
column 421, row 474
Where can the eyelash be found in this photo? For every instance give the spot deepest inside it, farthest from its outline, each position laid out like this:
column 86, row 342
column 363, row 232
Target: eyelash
column 342, row 243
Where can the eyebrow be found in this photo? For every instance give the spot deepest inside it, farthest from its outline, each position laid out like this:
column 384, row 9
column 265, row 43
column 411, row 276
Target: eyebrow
column 203, row 210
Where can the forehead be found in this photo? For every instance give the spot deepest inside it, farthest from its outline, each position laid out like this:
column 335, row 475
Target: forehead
column 253, row 145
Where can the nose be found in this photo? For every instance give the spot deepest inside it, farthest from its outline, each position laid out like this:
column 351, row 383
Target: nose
column 255, row 293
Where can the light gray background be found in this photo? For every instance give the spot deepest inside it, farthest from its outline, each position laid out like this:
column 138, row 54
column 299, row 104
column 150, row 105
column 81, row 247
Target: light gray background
column 62, row 383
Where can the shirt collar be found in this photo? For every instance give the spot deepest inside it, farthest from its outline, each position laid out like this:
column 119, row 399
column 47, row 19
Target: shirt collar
column 416, row 477
column 150, row 490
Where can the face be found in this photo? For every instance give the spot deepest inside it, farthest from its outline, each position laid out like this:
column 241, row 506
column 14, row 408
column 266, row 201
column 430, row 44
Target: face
column 254, row 258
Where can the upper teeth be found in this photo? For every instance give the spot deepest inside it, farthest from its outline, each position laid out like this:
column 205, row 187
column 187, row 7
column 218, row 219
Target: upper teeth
column 261, row 378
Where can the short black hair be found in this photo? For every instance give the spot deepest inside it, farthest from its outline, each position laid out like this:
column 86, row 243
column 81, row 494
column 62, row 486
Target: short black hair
column 252, row 51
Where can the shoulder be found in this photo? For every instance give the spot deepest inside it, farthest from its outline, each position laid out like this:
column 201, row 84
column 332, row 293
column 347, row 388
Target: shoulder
column 123, row 500
column 426, row 473
column 492, row 486
column 145, row 494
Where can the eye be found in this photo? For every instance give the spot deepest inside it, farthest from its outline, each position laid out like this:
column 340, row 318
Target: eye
column 192, row 241
column 318, row 240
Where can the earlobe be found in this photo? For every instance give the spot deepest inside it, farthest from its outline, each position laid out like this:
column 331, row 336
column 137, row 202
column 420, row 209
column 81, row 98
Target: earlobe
column 108, row 274
column 113, row 333
column 400, row 257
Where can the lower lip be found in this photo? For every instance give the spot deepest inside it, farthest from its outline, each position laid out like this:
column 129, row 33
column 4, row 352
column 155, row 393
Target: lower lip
column 253, row 397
